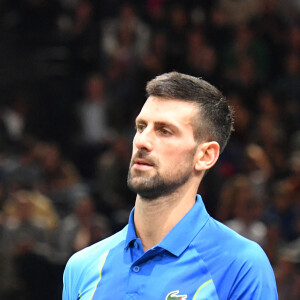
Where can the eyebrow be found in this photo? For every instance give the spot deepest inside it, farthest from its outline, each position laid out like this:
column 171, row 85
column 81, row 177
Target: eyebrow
column 157, row 124
column 162, row 124
column 139, row 120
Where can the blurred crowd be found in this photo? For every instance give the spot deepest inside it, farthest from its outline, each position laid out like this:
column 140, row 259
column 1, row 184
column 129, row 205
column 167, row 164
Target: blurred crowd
column 72, row 80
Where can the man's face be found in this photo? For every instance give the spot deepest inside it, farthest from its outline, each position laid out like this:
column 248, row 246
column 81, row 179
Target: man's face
column 164, row 147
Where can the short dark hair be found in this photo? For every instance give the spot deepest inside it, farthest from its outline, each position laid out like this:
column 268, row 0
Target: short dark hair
column 215, row 120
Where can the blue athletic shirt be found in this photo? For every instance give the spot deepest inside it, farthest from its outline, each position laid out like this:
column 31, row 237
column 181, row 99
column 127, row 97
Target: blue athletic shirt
column 199, row 259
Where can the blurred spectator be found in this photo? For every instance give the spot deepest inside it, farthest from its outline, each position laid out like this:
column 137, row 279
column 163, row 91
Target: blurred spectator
column 268, row 133
column 14, row 118
column 95, row 133
column 243, row 119
column 288, row 85
column 153, row 62
column 241, row 211
column 268, row 106
column 270, row 25
column 122, row 87
column 246, row 61
column 124, row 41
column 61, row 180
column 293, row 38
column 287, row 273
column 201, row 58
column 126, row 37
column 177, row 27
column 288, row 90
column 240, row 12
column 29, row 220
column 284, row 210
column 35, row 17
column 234, row 158
column 42, row 211
column 18, row 168
column 80, row 229
column 84, row 43
column 219, row 31
column 259, row 169
column 92, row 113
column 112, row 170
column 156, row 13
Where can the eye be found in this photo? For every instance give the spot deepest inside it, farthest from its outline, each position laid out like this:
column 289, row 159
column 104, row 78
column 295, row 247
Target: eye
column 140, row 127
column 165, row 131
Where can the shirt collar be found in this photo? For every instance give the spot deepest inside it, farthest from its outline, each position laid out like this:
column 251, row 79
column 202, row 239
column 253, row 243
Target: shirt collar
column 182, row 234
column 131, row 235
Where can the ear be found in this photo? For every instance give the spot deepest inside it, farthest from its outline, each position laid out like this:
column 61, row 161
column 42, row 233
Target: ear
column 207, row 155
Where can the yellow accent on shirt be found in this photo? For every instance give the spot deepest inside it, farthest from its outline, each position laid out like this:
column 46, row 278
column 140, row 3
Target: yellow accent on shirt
column 100, row 273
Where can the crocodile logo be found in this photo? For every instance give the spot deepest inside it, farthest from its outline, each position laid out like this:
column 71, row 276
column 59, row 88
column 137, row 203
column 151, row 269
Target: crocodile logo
column 174, row 296
column 79, row 295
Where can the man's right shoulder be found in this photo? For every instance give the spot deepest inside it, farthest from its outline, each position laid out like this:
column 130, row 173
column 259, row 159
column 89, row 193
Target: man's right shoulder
column 82, row 268
column 87, row 256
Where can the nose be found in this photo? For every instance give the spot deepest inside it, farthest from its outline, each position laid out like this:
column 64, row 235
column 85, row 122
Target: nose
column 143, row 140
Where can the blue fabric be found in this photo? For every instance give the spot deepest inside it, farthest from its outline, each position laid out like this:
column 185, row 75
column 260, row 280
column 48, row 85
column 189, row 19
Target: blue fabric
column 199, row 259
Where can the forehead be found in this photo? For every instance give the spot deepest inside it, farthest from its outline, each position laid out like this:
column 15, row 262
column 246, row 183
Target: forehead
column 168, row 110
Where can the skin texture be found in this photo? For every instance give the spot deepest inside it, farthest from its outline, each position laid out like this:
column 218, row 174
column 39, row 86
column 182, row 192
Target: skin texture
column 167, row 166
column 160, row 131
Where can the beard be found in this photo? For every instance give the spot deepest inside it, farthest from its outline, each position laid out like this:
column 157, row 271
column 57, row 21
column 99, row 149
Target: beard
column 152, row 187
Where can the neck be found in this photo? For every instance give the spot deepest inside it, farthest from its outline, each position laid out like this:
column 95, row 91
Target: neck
column 154, row 218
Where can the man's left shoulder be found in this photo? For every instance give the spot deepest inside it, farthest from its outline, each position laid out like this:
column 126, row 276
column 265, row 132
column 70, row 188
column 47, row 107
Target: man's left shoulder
column 255, row 275
column 223, row 249
column 243, row 262
column 250, row 255
column 241, row 247
column 239, row 267
column 233, row 245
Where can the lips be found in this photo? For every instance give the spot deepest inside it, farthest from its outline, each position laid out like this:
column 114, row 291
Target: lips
column 143, row 162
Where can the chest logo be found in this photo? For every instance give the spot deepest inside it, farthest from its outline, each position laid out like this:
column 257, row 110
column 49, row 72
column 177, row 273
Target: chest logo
column 174, row 295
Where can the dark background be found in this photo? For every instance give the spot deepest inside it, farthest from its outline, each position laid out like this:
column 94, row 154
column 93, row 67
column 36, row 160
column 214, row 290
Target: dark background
column 72, row 79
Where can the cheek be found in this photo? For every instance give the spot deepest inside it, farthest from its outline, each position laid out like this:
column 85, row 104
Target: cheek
column 177, row 157
column 186, row 156
column 134, row 147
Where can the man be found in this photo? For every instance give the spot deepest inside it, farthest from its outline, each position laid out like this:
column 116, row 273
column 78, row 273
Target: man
column 172, row 248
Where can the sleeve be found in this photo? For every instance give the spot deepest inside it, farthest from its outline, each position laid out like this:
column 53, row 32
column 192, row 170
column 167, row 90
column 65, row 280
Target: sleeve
column 69, row 282
column 255, row 279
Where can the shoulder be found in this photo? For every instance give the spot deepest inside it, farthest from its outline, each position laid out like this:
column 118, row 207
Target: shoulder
column 232, row 246
column 83, row 261
column 254, row 274
column 96, row 250
column 242, row 263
